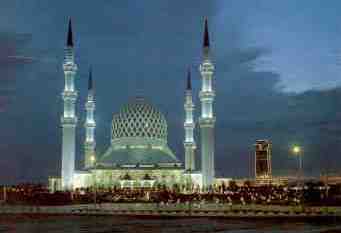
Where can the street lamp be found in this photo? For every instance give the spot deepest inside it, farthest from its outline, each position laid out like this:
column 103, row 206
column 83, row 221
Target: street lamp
column 297, row 151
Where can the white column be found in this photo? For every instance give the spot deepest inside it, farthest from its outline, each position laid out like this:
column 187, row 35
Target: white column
column 189, row 126
column 207, row 119
column 69, row 118
column 90, row 125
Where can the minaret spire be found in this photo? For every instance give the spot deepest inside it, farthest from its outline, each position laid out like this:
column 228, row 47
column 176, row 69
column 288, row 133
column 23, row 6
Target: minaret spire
column 207, row 119
column 206, row 42
column 90, row 125
column 90, row 83
column 69, row 118
column 69, row 42
column 189, row 83
column 189, row 125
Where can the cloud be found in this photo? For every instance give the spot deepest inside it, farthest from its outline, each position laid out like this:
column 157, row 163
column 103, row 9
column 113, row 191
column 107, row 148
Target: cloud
column 11, row 46
column 146, row 49
column 13, row 43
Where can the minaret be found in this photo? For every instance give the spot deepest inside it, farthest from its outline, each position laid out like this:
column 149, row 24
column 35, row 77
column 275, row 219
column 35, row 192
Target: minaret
column 189, row 125
column 69, row 119
column 90, row 124
column 207, row 119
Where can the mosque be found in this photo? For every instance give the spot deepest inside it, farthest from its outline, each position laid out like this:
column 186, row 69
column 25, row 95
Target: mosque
column 139, row 155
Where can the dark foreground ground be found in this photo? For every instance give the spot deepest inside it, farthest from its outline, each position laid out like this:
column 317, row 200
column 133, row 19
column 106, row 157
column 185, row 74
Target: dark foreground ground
column 108, row 224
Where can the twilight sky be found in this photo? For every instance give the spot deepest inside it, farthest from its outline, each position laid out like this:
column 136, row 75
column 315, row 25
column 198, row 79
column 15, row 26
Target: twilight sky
column 277, row 76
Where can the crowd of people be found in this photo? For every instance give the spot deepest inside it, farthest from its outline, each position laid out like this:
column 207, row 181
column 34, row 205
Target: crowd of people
column 311, row 194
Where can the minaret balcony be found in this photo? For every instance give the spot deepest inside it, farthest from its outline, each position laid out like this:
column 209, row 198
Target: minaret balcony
column 90, row 124
column 189, row 106
column 69, row 66
column 69, row 121
column 69, row 95
column 207, row 122
column 206, row 95
column 207, row 67
column 90, row 98
column 190, row 145
column 90, row 105
column 189, row 125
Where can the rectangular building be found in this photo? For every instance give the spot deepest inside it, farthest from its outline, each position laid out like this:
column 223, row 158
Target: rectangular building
column 263, row 160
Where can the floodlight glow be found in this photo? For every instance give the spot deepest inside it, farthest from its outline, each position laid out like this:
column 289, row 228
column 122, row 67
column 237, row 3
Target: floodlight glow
column 296, row 149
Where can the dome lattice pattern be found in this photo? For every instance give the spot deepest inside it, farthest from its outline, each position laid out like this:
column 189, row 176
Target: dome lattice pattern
column 139, row 119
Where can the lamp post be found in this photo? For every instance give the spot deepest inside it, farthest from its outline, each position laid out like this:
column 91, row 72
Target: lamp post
column 298, row 153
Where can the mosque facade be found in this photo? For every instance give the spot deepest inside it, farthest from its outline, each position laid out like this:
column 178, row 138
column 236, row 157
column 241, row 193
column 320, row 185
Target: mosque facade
column 138, row 154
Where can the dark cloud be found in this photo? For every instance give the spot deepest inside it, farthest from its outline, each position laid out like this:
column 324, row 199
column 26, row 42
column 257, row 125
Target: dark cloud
column 12, row 57
column 139, row 49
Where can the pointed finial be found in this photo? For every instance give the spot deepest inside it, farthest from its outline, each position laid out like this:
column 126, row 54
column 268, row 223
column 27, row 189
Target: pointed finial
column 69, row 42
column 206, row 43
column 189, row 83
column 90, row 84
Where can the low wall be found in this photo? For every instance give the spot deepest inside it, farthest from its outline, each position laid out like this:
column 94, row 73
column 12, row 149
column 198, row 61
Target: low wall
column 152, row 209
